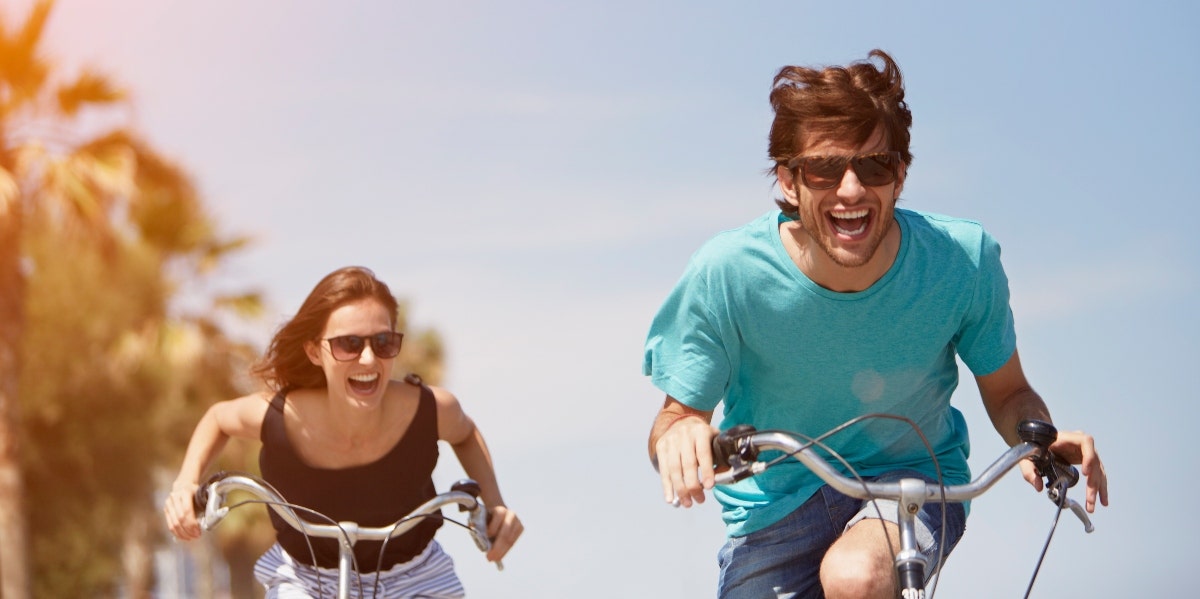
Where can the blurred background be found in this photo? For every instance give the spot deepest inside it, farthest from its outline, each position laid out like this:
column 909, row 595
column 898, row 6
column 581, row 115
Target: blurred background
column 531, row 177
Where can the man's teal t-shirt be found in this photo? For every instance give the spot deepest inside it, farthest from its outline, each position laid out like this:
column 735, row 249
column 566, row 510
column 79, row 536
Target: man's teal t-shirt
column 745, row 326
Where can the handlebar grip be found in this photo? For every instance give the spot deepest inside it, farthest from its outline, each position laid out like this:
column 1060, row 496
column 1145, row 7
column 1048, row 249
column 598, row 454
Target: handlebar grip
column 480, row 516
column 1060, row 475
column 1063, row 471
column 1040, row 433
column 727, row 444
column 200, row 499
column 469, row 487
column 1057, row 471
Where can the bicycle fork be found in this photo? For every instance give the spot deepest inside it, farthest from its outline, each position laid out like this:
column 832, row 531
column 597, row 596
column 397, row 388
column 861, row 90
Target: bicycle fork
column 910, row 562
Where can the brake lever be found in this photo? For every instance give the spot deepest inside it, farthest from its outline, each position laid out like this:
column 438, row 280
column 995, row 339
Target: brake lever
column 732, row 448
column 1081, row 514
column 480, row 517
column 1060, row 475
column 214, row 512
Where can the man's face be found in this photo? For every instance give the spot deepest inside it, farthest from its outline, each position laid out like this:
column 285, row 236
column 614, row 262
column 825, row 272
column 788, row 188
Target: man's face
column 850, row 220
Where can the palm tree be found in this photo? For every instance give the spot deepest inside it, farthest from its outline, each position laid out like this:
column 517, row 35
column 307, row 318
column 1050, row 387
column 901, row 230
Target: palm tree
column 112, row 193
column 53, row 166
column 94, row 431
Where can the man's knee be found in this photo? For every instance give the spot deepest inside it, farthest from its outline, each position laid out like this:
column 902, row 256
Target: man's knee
column 857, row 566
column 859, row 576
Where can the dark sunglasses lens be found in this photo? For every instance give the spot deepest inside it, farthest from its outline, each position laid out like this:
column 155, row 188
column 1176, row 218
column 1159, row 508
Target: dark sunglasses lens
column 822, row 172
column 347, row 348
column 875, row 169
column 386, row 345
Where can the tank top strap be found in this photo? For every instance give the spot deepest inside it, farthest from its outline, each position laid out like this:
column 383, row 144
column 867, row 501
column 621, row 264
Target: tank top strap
column 272, row 424
column 279, row 399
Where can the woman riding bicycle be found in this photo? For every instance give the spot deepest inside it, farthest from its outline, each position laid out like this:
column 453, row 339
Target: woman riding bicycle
column 342, row 438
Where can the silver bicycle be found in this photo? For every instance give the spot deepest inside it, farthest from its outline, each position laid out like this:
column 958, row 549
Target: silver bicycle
column 211, row 503
column 738, row 448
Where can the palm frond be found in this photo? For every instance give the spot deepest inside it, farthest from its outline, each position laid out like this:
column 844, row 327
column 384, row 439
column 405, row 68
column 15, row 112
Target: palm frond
column 247, row 305
column 90, row 88
column 22, row 71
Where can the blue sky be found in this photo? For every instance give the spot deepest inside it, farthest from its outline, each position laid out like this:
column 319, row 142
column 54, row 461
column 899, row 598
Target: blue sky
column 532, row 177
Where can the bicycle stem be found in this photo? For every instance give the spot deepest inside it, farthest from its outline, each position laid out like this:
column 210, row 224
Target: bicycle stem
column 910, row 562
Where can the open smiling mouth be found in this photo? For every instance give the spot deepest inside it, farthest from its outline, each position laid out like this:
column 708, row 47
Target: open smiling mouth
column 364, row 383
column 850, row 223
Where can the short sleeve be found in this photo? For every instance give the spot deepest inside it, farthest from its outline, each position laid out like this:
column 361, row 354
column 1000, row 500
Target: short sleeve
column 686, row 355
column 987, row 338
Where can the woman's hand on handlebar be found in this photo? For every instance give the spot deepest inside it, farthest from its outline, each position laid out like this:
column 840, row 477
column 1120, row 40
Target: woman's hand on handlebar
column 180, row 513
column 683, row 453
column 504, row 527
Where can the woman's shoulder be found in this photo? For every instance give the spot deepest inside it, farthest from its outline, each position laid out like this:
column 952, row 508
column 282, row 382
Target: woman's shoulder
column 243, row 416
column 290, row 398
column 452, row 420
column 445, row 399
column 412, row 384
column 408, row 388
column 249, row 403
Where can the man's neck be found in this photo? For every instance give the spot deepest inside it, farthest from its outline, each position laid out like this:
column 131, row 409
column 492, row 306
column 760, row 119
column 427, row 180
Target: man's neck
column 819, row 267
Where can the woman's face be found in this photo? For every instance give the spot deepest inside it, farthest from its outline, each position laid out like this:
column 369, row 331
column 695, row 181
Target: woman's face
column 362, row 379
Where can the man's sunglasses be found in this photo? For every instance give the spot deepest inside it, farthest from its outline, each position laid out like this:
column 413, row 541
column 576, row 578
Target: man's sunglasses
column 350, row 347
column 826, row 172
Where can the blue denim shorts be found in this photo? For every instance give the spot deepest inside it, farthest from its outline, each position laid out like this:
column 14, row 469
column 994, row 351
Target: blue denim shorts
column 783, row 560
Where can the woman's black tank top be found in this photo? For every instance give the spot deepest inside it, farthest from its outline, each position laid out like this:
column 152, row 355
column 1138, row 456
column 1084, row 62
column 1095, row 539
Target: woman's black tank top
column 375, row 494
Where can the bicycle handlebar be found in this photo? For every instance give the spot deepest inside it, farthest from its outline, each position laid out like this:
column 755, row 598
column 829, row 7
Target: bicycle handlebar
column 210, row 510
column 738, row 447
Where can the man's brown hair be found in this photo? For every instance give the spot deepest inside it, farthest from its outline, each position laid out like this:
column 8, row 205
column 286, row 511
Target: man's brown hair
column 841, row 103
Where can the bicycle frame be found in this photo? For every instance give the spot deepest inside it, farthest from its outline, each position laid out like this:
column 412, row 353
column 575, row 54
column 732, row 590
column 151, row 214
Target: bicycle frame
column 211, row 509
column 739, row 447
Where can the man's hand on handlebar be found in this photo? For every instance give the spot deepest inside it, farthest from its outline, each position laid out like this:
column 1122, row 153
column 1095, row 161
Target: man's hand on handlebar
column 683, row 454
column 1075, row 448
column 1078, row 447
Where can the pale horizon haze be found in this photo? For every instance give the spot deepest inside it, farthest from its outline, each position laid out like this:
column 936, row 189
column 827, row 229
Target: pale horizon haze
column 531, row 177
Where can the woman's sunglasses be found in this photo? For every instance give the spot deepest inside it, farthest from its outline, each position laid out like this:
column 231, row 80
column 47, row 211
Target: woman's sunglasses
column 826, row 172
column 350, row 347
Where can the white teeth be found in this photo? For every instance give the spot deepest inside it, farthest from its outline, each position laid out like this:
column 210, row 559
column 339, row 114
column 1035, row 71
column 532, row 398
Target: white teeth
column 860, row 229
column 364, row 378
column 851, row 214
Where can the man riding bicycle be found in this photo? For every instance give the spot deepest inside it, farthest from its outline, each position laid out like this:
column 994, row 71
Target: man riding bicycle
column 835, row 305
